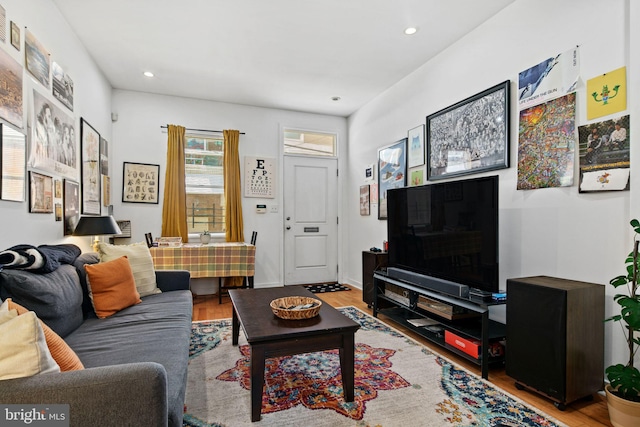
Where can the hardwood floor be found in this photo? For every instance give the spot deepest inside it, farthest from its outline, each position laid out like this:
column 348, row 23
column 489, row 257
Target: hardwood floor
column 578, row 414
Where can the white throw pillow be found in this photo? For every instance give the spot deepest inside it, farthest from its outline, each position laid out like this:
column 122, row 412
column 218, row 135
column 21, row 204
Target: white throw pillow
column 24, row 350
column 141, row 263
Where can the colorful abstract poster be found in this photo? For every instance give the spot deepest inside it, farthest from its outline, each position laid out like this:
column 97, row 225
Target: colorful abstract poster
column 546, row 144
column 607, row 94
column 551, row 78
column 604, row 155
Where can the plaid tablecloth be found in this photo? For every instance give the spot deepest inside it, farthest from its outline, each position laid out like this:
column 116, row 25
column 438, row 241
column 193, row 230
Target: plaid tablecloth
column 213, row 260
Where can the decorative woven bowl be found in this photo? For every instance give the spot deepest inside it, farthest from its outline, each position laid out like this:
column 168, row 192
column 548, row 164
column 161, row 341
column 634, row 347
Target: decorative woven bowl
column 295, row 308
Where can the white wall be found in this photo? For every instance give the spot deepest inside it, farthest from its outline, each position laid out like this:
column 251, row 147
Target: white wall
column 555, row 232
column 139, row 139
column 92, row 101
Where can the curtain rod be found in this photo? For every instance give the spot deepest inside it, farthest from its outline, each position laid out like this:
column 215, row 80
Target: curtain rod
column 200, row 130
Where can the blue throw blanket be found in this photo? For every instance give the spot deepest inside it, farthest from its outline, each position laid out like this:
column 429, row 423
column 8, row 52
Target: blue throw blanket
column 41, row 260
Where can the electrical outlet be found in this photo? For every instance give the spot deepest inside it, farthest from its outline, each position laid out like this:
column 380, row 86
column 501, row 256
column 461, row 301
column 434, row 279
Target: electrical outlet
column 273, row 208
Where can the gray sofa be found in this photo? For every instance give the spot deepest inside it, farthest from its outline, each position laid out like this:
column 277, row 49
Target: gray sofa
column 135, row 361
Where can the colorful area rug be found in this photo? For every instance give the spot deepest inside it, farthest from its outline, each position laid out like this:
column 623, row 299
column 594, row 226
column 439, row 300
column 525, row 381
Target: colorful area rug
column 327, row 287
column 398, row 382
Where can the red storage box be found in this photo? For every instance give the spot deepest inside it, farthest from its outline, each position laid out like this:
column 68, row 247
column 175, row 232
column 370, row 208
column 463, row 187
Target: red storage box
column 471, row 347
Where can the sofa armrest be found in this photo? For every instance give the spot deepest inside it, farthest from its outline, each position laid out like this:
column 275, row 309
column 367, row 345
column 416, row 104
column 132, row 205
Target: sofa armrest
column 129, row 394
column 173, row 280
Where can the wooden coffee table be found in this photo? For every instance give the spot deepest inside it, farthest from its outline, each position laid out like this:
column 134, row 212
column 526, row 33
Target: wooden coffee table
column 269, row 336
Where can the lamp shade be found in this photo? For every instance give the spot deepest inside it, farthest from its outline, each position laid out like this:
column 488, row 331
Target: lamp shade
column 96, row 226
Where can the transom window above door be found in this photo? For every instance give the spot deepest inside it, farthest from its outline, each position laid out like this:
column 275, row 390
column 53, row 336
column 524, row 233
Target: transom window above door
column 309, row 143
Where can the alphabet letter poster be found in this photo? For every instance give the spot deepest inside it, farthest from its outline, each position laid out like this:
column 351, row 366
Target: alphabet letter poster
column 259, row 177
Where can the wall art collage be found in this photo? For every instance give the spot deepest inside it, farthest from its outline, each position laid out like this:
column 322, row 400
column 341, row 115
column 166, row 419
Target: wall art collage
column 474, row 135
column 57, row 161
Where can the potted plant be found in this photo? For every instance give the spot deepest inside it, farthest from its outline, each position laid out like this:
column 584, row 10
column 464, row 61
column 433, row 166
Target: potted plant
column 623, row 391
column 205, row 237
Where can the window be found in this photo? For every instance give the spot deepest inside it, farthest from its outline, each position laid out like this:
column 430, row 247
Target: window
column 309, row 143
column 204, row 180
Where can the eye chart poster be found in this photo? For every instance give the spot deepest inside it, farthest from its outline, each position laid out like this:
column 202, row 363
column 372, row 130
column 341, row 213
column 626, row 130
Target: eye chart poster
column 259, row 177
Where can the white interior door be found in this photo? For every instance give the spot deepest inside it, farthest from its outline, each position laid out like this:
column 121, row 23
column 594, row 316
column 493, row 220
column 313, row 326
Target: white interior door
column 310, row 220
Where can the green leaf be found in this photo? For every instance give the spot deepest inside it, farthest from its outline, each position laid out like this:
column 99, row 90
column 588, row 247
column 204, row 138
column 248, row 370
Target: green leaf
column 625, row 380
column 619, row 281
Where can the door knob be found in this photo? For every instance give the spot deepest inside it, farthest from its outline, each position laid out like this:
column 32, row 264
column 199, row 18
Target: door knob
column 288, row 218
column 288, row 227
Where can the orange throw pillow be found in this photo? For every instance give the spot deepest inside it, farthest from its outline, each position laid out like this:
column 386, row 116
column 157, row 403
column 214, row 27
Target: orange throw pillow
column 64, row 356
column 112, row 286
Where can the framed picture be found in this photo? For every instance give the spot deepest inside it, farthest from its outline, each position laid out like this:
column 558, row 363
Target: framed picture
column 392, row 172
column 140, row 183
column 104, row 157
column 13, row 157
column 37, row 59
column 15, row 35
column 40, row 193
column 58, row 212
column 71, row 206
column 471, row 136
column 90, row 168
column 106, row 190
column 370, row 173
column 11, row 107
column 58, row 188
column 364, row 200
column 62, row 86
column 416, row 146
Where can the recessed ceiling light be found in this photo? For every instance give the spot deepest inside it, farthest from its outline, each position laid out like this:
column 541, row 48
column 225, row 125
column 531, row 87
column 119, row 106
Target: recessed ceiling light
column 148, row 74
column 410, row 31
column 335, row 98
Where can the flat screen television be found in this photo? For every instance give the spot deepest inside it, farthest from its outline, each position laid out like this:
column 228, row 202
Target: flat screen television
column 447, row 231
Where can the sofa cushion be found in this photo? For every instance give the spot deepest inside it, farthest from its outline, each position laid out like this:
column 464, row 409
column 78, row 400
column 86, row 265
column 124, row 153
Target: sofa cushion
column 23, row 352
column 111, row 286
column 55, row 297
column 79, row 263
column 156, row 330
column 66, row 359
column 141, row 264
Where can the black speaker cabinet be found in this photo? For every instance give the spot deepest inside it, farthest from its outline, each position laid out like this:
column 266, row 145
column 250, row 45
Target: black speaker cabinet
column 555, row 337
column 371, row 261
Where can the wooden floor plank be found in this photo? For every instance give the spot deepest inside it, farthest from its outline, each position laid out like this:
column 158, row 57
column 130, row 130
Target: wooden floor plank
column 584, row 413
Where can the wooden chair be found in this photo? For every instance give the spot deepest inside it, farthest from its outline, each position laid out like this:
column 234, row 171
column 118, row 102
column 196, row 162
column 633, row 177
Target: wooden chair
column 247, row 282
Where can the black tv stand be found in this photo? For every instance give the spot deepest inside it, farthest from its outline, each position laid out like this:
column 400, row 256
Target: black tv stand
column 469, row 317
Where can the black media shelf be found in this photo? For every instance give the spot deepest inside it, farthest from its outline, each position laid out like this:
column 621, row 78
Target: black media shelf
column 477, row 327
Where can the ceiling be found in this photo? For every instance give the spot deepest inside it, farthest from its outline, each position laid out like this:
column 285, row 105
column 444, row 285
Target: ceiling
column 286, row 54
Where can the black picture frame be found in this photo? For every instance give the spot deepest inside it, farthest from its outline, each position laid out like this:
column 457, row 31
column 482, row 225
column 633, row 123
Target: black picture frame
column 140, row 183
column 392, row 172
column 471, row 136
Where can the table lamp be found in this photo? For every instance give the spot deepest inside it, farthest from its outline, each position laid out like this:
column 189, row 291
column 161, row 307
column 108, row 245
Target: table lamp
column 96, row 226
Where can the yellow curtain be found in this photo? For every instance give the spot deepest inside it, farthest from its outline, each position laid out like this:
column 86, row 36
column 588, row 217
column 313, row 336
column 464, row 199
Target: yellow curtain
column 174, row 206
column 232, row 189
